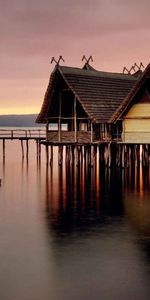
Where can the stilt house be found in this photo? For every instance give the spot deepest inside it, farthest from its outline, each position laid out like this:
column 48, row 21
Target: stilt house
column 86, row 106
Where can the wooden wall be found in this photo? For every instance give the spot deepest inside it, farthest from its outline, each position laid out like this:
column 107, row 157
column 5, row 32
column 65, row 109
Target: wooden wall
column 136, row 125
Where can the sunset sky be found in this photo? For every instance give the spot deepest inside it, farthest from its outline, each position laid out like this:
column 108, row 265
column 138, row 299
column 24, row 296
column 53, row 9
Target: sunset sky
column 115, row 32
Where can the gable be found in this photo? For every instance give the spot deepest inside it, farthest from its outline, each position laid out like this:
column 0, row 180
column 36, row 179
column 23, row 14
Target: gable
column 138, row 94
column 100, row 94
column 139, row 110
column 140, row 106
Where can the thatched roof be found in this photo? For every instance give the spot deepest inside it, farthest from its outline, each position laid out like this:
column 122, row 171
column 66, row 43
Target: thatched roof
column 99, row 93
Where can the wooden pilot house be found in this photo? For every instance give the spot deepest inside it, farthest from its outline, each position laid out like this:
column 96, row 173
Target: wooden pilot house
column 85, row 106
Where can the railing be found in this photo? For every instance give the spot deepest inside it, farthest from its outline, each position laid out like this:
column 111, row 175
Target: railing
column 22, row 133
column 69, row 137
column 81, row 137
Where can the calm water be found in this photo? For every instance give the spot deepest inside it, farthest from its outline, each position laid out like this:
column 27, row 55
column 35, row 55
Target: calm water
column 72, row 233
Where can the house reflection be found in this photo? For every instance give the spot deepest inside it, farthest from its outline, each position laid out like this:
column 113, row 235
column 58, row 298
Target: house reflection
column 137, row 200
column 80, row 198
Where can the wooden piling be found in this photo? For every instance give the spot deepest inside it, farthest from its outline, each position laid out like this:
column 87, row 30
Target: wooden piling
column 47, row 154
column 146, row 156
column 72, row 154
column 22, row 149
column 3, row 148
column 106, row 155
column 123, row 156
column 89, row 155
column 92, row 156
column 137, row 155
column 95, row 154
column 68, row 154
column 76, row 155
column 27, row 148
column 51, row 156
column 37, row 149
column 60, row 155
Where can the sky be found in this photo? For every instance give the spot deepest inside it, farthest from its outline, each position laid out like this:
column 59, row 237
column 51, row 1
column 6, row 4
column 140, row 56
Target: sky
column 115, row 32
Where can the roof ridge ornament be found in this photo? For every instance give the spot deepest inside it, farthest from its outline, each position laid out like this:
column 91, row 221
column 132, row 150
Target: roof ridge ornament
column 87, row 60
column 133, row 68
column 57, row 61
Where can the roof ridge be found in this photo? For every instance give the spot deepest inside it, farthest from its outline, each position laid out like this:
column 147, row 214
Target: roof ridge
column 93, row 72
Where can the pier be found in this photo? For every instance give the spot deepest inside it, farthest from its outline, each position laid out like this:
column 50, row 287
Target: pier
column 24, row 136
column 105, row 154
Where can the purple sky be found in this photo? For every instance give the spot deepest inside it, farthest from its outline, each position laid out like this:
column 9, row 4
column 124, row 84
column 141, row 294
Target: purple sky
column 115, row 32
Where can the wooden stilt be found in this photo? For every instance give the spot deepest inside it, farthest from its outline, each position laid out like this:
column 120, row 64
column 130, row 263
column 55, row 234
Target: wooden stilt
column 37, row 149
column 95, row 154
column 3, row 148
column 72, row 154
column 113, row 153
column 60, row 155
column 66, row 157
column 106, row 154
column 84, row 154
column 27, row 148
column 123, row 156
column 109, row 156
column 101, row 154
column 142, row 155
column 76, row 156
column 119, row 155
column 51, row 156
column 81, row 154
column 92, row 156
column 146, row 156
column 47, row 154
column 22, row 149
column 89, row 155
column 126, row 149
column 67, row 154
column 137, row 154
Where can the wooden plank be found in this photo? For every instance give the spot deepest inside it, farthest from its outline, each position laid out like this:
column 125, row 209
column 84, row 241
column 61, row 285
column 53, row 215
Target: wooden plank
column 137, row 137
column 139, row 110
column 134, row 125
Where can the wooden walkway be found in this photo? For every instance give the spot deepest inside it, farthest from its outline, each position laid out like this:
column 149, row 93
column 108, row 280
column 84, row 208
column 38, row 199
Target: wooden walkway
column 24, row 135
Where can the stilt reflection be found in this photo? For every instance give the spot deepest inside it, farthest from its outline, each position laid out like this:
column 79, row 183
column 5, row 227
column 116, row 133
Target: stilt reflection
column 79, row 197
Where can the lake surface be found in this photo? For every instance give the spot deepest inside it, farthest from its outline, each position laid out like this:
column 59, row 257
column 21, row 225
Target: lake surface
column 72, row 232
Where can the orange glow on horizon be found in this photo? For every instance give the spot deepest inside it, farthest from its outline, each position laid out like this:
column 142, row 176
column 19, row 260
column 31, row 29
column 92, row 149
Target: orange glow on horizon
column 19, row 110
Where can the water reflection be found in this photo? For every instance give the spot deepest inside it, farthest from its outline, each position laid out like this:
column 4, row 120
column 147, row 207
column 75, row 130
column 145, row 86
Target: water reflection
column 84, row 231
column 82, row 197
column 79, row 196
column 100, row 215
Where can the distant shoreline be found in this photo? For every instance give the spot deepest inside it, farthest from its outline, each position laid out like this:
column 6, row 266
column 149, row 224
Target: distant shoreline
column 19, row 121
